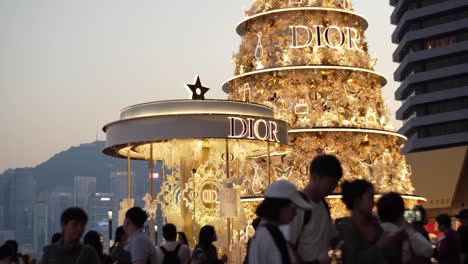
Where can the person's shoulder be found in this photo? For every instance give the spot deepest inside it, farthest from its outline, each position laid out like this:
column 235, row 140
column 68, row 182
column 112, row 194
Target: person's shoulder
column 262, row 234
column 51, row 248
column 184, row 247
column 89, row 250
column 452, row 234
column 141, row 239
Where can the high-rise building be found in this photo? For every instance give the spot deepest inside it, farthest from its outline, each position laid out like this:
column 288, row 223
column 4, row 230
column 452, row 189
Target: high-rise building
column 99, row 206
column 22, row 196
column 59, row 201
column 432, row 52
column 84, row 187
column 41, row 235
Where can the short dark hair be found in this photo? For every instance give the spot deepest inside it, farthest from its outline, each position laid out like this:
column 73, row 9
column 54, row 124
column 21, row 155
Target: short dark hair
column 445, row 220
column 183, row 238
column 6, row 251
column 206, row 235
column 56, row 237
column 326, row 166
column 390, row 207
column 93, row 239
column 13, row 245
column 169, row 232
column 353, row 190
column 73, row 213
column 270, row 208
column 137, row 216
column 119, row 233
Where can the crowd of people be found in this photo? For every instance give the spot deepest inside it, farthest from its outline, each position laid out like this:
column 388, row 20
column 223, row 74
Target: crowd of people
column 292, row 227
column 296, row 226
column 132, row 245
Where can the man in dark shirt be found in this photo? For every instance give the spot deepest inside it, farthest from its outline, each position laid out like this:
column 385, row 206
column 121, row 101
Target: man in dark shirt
column 69, row 249
column 449, row 249
column 463, row 232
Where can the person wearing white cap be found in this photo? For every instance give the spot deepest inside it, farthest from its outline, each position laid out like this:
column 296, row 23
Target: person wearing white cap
column 279, row 208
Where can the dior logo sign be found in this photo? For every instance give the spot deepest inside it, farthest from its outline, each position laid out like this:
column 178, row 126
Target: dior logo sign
column 320, row 36
column 251, row 128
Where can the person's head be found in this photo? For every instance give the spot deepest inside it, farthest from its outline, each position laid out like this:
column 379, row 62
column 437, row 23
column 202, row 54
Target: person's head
column 93, row 239
column 56, row 237
column 325, row 173
column 13, row 245
column 207, row 235
column 358, row 196
column 73, row 221
column 423, row 215
column 182, row 238
column 444, row 222
column 390, row 207
column 120, row 235
column 463, row 216
column 169, row 232
column 6, row 252
column 135, row 218
column 280, row 203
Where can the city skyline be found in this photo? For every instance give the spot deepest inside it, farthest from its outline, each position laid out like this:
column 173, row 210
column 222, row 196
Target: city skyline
column 70, row 67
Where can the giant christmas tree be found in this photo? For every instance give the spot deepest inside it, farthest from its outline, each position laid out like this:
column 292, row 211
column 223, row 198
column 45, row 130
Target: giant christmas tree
column 309, row 61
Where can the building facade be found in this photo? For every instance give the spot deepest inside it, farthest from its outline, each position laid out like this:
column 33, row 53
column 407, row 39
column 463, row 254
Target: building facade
column 432, row 52
column 98, row 218
column 84, row 187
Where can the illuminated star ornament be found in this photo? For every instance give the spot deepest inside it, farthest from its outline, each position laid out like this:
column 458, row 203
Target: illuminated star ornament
column 197, row 91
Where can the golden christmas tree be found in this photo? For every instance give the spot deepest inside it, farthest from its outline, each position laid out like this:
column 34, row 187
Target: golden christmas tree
column 309, row 61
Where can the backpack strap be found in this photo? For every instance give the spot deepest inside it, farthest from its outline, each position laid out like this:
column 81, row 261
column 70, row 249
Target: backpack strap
column 177, row 248
column 280, row 242
column 305, row 220
column 307, row 213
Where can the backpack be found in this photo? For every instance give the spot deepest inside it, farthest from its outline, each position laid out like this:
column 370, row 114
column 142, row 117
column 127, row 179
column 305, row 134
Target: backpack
column 308, row 214
column 171, row 257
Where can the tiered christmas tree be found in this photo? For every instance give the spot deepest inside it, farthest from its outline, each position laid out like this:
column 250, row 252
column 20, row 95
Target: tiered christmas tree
column 309, row 61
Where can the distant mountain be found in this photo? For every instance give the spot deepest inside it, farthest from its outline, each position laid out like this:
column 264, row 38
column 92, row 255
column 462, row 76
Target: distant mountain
column 84, row 160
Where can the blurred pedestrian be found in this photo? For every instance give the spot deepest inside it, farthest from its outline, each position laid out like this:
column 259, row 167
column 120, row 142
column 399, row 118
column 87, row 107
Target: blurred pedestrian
column 69, row 249
column 205, row 252
column 140, row 246
column 117, row 252
column 268, row 245
column 6, row 254
column 93, row 239
column 16, row 259
column 364, row 238
column 449, row 248
column 312, row 231
column 182, row 238
column 416, row 248
column 463, row 233
column 172, row 251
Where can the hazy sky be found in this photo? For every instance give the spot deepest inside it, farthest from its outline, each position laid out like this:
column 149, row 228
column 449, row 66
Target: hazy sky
column 67, row 67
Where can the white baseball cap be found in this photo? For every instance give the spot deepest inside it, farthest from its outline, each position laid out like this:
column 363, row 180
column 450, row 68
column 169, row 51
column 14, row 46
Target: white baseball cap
column 286, row 190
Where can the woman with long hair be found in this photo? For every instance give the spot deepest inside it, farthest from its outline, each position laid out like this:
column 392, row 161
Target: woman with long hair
column 182, row 238
column 364, row 239
column 93, row 239
column 205, row 252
